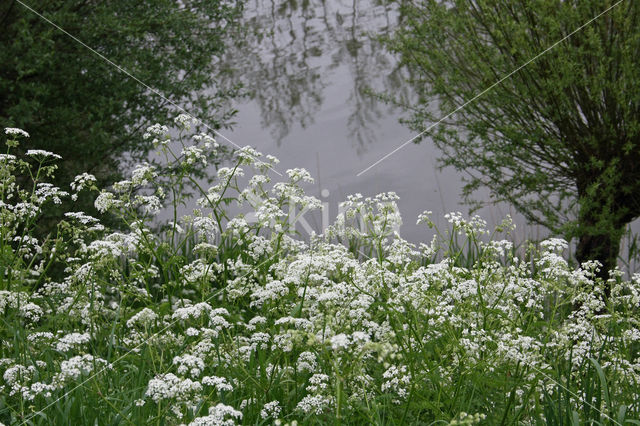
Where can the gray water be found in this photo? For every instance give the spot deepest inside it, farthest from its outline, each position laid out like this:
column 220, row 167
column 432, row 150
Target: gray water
column 309, row 68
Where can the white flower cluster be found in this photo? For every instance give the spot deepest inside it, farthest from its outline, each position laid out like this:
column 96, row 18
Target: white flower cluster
column 72, row 340
column 83, row 181
column 248, row 155
column 272, row 292
column 143, row 318
column 198, row 270
column 12, row 131
column 271, row 410
column 396, row 381
column 47, row 192
column 315, row 404
column 218, row 416
column 17, row 375
column 474, row 227
column 425, row 217
column 150, row 204
column 319, row 399
column 209, row 142
column 8, row 159
column 12, row 299
column 219, row 383
column 32, row 312
column 189, row 365
column 184, row 121
column 307, row 362
column 193, row 155
column 555, row 245
column 170, row 387
column 225, row 304
column 42, row 154
column 83, row 218
column 142, row 174
column 78, row 366
column 106, row 201
column 158, row 134
column 196, row 311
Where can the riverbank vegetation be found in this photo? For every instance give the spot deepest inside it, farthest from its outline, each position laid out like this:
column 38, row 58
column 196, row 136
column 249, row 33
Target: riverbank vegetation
column 87, row 78
column 536, row 101
column 211, row 319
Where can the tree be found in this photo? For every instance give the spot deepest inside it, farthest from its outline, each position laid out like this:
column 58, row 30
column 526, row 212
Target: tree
column 560, row 138
column 77, row 105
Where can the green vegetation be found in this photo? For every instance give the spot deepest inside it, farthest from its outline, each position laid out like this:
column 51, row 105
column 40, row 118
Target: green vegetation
column 560, row 138
column 85, row 109
column 215, row 319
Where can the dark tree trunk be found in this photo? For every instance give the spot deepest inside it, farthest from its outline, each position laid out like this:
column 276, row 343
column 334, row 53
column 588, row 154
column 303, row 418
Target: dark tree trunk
column 602, row 219
column 603, row 247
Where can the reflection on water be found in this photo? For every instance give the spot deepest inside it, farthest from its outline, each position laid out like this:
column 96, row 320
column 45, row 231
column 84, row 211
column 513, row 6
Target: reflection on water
column 307, row 67
column 291, row 50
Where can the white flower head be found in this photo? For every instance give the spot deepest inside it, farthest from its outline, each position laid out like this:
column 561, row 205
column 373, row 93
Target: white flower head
column 169, row 386
column 144, row 318
column 77, row 367
column 209, row 142
column 218, row 415
column 159, row 133
column 219, row 383
column 142, row 174
column 42, row 154
column 557, row 245
column 184, row 121
column 299, row 174
column 71, row 340
column 15, row 132
column 271, row 409
column 425, row 217
column 189, row 364
column 192, row 155
column 340, row 341
column 248, row 155
column 82, row 181
column 106, row 201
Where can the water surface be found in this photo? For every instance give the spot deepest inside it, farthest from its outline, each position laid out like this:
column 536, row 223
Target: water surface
column 310, row 68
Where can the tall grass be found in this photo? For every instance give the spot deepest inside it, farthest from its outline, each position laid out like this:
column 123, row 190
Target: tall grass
column 214, row 319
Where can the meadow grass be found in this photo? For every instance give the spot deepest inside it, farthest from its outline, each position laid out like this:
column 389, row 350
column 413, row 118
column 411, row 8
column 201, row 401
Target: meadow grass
column 212, row 319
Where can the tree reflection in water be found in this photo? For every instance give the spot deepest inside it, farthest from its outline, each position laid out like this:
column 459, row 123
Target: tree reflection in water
column 290, row 52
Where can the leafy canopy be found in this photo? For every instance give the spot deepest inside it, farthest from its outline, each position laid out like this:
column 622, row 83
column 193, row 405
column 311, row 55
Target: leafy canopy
column 78, row 105
column 560, row 138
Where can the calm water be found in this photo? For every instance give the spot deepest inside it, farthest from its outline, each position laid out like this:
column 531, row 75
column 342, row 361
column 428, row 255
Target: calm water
column 309, row 68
